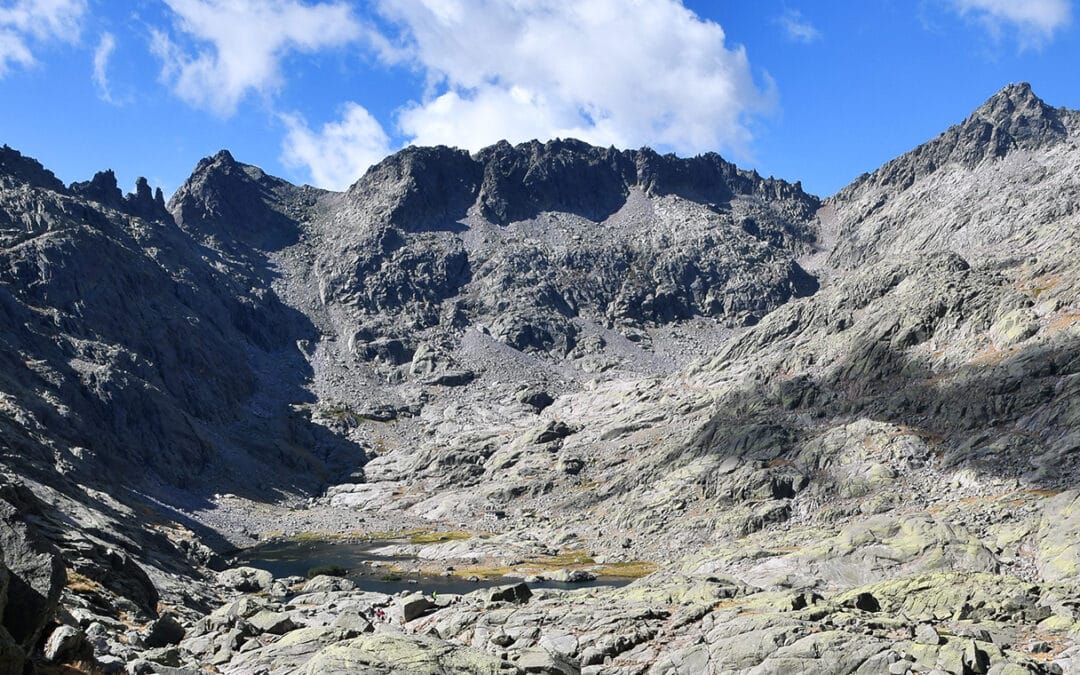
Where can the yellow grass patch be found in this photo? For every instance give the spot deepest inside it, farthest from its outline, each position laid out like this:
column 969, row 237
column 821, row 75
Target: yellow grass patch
column 80, row 583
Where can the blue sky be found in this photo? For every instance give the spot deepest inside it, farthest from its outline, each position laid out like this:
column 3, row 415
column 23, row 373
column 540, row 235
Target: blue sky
column 316, row 90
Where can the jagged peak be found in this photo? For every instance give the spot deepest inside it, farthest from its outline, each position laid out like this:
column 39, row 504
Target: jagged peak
column 222, row 173
column 1014, row 90
column 28, row 170
column 1010, row 98
column 221, row 158
column 231, row 200
column 516, row 182
column 102, row 188
column 147, row 203
column 1013, row 118
column 1026, row 117
column 222, row 162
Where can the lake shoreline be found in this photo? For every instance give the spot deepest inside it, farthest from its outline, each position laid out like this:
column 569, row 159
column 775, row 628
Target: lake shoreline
column 391, row 566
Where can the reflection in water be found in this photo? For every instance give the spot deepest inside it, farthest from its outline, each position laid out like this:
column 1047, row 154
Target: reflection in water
column 369, row 569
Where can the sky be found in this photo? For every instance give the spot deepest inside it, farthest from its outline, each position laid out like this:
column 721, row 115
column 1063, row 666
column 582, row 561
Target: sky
column 316, row 91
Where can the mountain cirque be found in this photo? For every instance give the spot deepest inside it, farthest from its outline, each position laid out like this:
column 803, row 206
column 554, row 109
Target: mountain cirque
column 835, row 436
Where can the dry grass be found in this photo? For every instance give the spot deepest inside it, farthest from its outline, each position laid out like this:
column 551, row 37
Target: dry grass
column 484, row 572
column 1039, row 285
column 567, row 558
column 422, row 537
column 988, row 356
column 80, row 583
column 1039, row 492
column 74, row 668
column 928, row 436
column 1063, row 322
column 571, row 560
column 634, row 569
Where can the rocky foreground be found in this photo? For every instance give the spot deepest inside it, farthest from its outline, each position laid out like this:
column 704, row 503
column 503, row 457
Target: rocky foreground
column 950, row 622
column 833, row 436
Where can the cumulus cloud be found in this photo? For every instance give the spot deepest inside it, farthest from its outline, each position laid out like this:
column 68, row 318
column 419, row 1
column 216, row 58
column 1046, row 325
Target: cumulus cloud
column 101, row 65
column 1035, row 21
column 340, row 152
column 610, row 72
column 223, row 50
column 797, row 28
column 26, row 22
column 622, row 72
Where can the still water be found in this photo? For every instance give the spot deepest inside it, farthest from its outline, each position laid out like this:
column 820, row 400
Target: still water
column 367, row 568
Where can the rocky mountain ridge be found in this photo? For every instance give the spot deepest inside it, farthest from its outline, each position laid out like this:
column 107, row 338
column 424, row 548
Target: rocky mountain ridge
column 842, row 433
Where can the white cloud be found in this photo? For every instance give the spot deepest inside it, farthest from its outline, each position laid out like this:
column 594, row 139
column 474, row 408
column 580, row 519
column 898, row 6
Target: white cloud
column 24, row 22
column 341, row 151
column 1036, row 21
column 622, row 72
column 101, row 65
column 239, row 44
column 798, row 28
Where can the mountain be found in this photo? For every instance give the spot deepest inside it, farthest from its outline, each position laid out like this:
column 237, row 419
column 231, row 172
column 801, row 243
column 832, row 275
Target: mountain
column 986, row 188
column 831, row 435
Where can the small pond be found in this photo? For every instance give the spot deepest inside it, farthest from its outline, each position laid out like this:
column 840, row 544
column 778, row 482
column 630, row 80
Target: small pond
column 369, row 569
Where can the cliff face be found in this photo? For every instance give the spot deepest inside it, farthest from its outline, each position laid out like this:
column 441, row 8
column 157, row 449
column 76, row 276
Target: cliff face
column 833, row 426
column 562, row 230
column 143, row 348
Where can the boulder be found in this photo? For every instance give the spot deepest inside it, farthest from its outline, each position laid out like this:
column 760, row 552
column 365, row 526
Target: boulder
column 36, row 572
column 450, row 378
column 228, row 614
column 275, row 623
column 413, row 606
column 548, row 663
column 572, row 576
column 245, row 579
column 353, row 621
column 519, row 592
column 1057, row 555
column 325, row 583
column 925, row 634
column 535, row 398
column 164, row 631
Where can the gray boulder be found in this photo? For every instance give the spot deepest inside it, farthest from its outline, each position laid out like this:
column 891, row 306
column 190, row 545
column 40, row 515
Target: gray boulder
column 413, row 606
column 925, row 634
column 548, row 663
column 275, row 623
column 36, row 572
column 245, row 579
column 511, row 593
column 324, row 583
column 164, row 631
column 572, row 576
